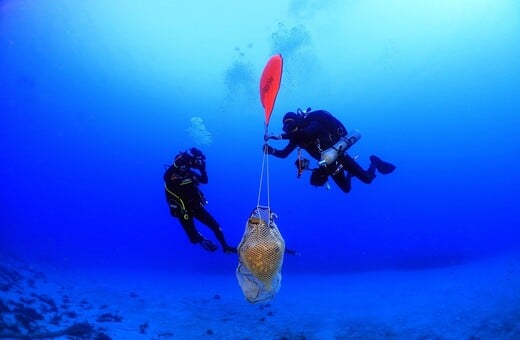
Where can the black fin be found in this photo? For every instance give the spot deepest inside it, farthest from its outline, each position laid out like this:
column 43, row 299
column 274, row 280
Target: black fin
column 208, row 245
column 383, row 167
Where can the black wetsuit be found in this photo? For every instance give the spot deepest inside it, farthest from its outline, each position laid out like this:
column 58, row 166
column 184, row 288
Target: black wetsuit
column 315, row 135
column 186, row 202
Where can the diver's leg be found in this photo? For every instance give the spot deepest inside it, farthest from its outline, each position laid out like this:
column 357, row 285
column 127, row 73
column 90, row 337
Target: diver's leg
column 342, row 180
column 205, row 217
column 194, row 235
column 354, row 169
column 319, row 177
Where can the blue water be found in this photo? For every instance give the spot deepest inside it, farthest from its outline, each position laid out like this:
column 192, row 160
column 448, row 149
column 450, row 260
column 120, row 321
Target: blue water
column 96, row 97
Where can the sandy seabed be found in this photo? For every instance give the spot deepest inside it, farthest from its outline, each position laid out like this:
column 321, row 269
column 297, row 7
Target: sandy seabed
column 476, row 300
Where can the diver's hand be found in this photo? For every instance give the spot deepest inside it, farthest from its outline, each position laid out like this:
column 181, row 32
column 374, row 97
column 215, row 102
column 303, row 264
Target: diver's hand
column 268, row 136
column 268, row 149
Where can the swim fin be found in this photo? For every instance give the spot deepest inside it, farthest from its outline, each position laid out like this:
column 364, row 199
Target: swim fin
column 208, row 245
column 382, row 166
column 230, row 250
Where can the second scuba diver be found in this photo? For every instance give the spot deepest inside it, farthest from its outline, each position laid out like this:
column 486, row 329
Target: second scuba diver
column 325, row 138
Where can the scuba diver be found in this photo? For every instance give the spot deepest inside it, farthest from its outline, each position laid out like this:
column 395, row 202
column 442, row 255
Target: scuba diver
column 326, row 139
column 186, row 201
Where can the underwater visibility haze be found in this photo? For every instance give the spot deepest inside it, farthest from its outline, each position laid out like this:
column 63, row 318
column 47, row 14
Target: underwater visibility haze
column 96, row 98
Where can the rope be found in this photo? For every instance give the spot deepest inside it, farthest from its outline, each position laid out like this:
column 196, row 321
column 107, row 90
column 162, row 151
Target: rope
column 261, row 179
column 267, row 183
column 265, row 167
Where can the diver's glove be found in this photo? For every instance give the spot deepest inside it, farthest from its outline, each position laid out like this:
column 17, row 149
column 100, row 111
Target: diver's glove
column 268, row 149
column 268, row 136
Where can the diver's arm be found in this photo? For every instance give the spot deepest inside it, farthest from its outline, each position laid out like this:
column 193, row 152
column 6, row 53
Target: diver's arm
column 201, row 178
column 284, row 152
column 281, row 136
column 268, row 136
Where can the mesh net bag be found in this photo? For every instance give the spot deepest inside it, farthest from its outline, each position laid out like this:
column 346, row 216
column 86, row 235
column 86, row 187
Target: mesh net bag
column 261, row 252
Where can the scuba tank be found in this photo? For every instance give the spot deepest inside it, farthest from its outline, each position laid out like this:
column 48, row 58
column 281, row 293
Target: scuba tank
column 330, row 155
